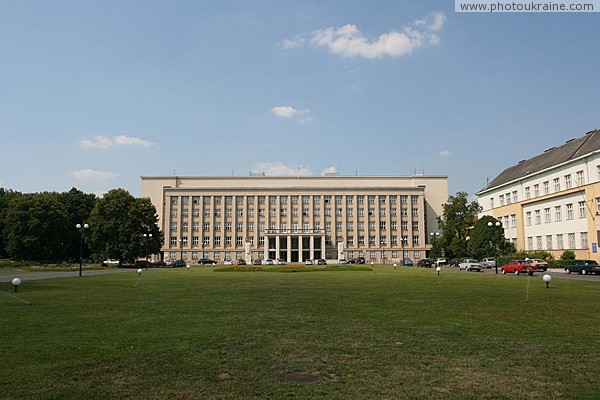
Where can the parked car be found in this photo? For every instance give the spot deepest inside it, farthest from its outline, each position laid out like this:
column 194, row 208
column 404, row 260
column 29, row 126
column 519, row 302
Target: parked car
column 258, row 261
column 142, row 264
column 205, row 261
column 351, row 261
column 455, row 261
column 241, row 261
column 308, row 261
column 158, row 264
column 518, row 267
column 179, row 264
column 359, row 260
column 228, row 262
column 281, row 261
column 488, row 262
column 342, row 261
column 469, row 264
column 441, row 261
column 321, row 261
column 583, row 267
column 407, row 262
column 111, row 261
column 424, row 262
column 540, row 265
column 269, row 262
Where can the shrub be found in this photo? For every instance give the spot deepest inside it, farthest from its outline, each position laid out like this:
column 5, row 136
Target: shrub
column 568, row 255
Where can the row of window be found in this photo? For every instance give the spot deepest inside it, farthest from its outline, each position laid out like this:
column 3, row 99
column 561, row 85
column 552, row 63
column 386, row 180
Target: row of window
column 557, row 184
column 556, row 212
column 295, row 212
column 239, row 240
column 216, row 255
column 556, row 242
column 239, row 226
column 294, row 199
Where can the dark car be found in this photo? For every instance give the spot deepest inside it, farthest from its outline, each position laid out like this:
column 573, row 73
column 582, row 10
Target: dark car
column 359, row 260
column 158, row 264
column 179, row 264
column 407, row 262
column 424, row 262
column 455, row 261
column 258, row 261
column 321, row 261
column 241, row 261
column 142, row 264
column 351, row 261
column 583, row 267
column 205, row 261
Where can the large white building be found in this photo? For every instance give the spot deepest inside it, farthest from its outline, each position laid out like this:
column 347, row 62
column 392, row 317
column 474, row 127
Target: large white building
column 551, row 202
column 383, row 219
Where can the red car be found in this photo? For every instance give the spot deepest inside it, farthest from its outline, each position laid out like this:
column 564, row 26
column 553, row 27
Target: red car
column 518, row 267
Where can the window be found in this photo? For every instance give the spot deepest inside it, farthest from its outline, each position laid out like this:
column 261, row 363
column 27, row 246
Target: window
column 361, row 240
column 295, row 212
column 572, row 241
column 501, row 198
column 206, row 199
column 568, row 183
column 184, row 212
column 173, row 240
column 196, row 226
column 217, row 199
column 206, row 226
column 338, row 211
column 549, row 242
column 328, row 211
column 414, row 199
column 557, row 184
column 513, row 221
column 228, row 200
column 529, row 243
column 570, row 212
column 415, row 212
column 217, row 240
column 393, row 199
column 239, row 212
column 580, row 178
column 382, row 212
column 371, row 226
column 272, row 212
column 536, row 190
column 404, row 225
column 394, row 253
column 261, row 199
column 491, row 202
column 559, row 242
column 261, row 240
column 382, row 226
column 283, row 212
column 327, row 226
column 382, row 199
column 174, row 200
column 173, row 226
column 349, row 226
column 546, row 187
column 582, row 209
column 361, row 212
column 251, row 212
column 415, row 240
column 228, row 212
column 250, row 226
column 261, row 226
column 228, row 240
column 184, row 226
column 317, row 199
column 174, row 212
column 195, row 212
column 547, row 215
column 327, row 199
column 272, row 199
column 508, row 200
column 515, row 196
column 361, row 226
column 227, row 226
column 583, row 236
column 349, row 199
column 305, row 199
column 305, row 212
column 528, row 218
column 205, row 240
column 371, row 240
column 283, row 227
column 538, row 240
column 283, row 199
column 207, row 212
column 196, row 199
column 350, row 240
column 416, row 254
column 415, row 225
column 338, row 226
column 272, row 226
column 403, row 199
column 558, row 214
column 394, row 225
column 360, row 199
column 394, row 240
column 218, row 213
column 393, row 212
column 239, row 227
column 317, row 212
column 527, row 193
column 371, row 199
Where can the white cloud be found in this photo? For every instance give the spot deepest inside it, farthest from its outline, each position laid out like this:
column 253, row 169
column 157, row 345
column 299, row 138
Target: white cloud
column 330, row 170
column 444, row 153
column 349, row 41
column 281, row 169
column 289, row 112
column 103, row 142
column 93, row 175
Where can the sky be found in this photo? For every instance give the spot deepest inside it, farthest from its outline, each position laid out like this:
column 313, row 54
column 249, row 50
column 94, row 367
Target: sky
column 96, row 94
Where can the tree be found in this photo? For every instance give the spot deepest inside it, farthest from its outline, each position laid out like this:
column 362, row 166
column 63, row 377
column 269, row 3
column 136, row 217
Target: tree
column 79, row 206
column 458, row 216
column 487, row 241
column 36, row 226
column 5, row 198
column 117, row 225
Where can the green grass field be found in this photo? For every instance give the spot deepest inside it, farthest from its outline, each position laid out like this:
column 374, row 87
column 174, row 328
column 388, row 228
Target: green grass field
column 381, row 334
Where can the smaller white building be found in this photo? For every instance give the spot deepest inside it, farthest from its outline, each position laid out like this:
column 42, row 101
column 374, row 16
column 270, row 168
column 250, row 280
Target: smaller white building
column 551, row 202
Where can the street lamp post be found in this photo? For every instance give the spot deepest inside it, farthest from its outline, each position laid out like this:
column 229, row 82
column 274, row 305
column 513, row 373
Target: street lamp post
column 434, row 237
column 490, row 225
column 81, row 228
column 147, row 238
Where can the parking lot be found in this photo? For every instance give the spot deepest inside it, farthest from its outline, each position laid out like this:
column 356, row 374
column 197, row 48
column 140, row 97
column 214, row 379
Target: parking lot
column 556, row 273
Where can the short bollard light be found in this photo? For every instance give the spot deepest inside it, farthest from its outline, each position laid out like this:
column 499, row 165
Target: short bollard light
column 547, row 278
column 16, row 282
column 140, row 272
column 438, row 269
column 188, row 267
column 394, row 265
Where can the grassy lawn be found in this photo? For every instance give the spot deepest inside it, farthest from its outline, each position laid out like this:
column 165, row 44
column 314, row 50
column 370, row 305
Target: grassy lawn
column 381, row 334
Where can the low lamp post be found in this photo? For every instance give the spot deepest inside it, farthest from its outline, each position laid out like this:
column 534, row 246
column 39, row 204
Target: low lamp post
column 16, row 282
column 547, row 278
column 81, row 228
column 490, row 225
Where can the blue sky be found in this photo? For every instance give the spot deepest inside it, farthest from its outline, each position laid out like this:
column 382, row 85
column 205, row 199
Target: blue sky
column 94, row 95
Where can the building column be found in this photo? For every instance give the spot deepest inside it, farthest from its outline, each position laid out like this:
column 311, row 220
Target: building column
column 323, row 252
column 289, row 249
column 312, row 247
column 300, row 258
column 276, row 247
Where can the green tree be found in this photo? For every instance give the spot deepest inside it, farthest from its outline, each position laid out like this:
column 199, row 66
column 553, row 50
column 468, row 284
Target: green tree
column 5, row 197
column 488, row 241
column 567, row 255
column 458, row 216
column 117, row 225
column 79, row 206
column 36, row 227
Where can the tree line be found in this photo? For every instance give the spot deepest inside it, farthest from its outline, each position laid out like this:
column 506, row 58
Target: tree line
column 43, row 226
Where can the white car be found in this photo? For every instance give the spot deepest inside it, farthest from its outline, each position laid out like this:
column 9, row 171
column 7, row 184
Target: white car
column 440, row 262
column 269, row 262
column 228, row 262
column 308, row 261
column 110, row 261
column 342, row 261
column 469, row 264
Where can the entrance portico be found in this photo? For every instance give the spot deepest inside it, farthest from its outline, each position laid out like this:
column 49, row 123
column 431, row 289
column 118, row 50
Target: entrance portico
column 296, row 245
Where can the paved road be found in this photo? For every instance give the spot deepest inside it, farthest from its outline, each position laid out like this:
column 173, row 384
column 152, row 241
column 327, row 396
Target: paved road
column 556, row 273
column 7, row 275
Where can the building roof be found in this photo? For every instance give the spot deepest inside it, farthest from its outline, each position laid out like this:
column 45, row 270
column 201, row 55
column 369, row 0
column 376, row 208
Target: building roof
column 571, row 150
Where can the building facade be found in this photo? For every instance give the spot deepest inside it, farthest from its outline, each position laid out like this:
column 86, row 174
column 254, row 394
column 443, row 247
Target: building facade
column 551, row 202
column 383, row 219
